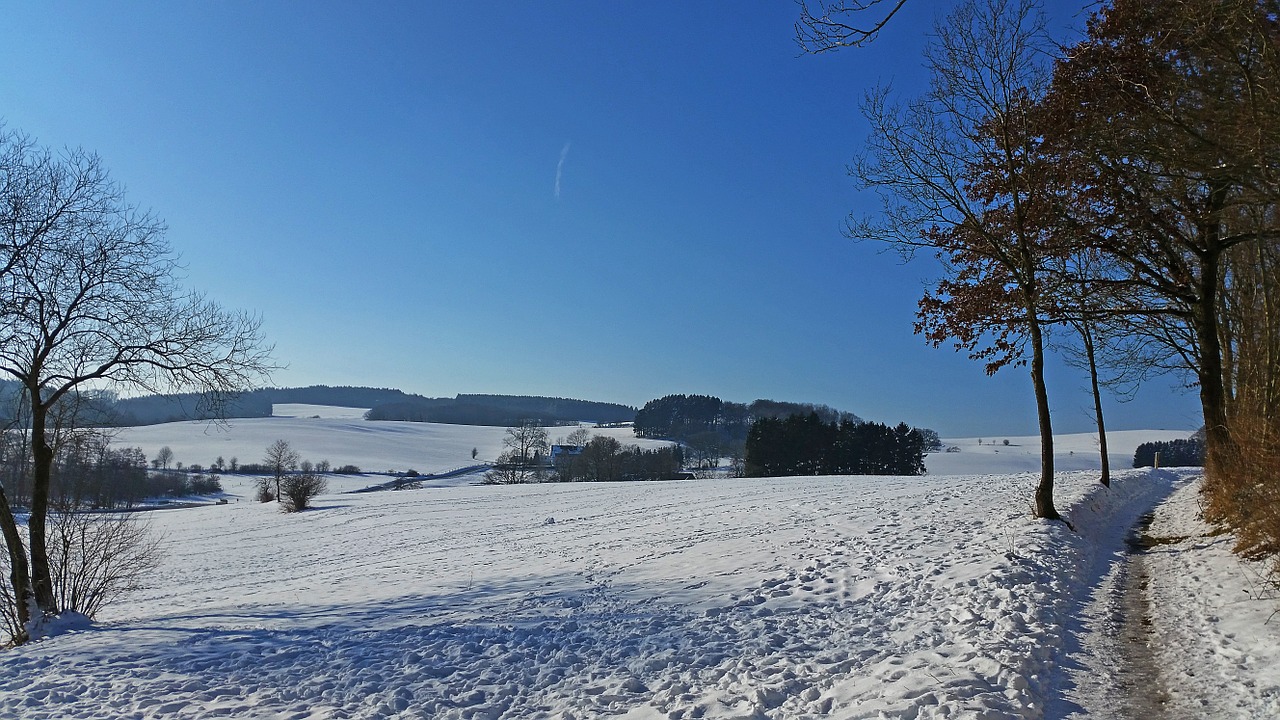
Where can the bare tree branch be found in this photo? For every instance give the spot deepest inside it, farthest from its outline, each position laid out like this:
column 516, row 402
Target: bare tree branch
column 825, row 26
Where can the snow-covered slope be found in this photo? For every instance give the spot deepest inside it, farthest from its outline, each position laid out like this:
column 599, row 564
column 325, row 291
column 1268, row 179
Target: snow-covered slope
column 786, row 598
column 343, row 437
column 774, row 598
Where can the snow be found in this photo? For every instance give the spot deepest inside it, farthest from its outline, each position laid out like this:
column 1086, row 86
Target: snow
column 844, row 597
column 1202, row 630
column 1077, row 451
column 340, row 435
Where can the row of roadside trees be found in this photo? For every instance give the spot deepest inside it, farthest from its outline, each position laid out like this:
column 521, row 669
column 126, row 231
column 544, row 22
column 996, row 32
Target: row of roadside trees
column 1123, row 187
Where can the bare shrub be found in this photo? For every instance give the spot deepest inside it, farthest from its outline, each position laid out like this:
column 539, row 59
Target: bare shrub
column 95, row 559
column 264, row 490
column 98, row 557
column 298, row 490
column 14, row 632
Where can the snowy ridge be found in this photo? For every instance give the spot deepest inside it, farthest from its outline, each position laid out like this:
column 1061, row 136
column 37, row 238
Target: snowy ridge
column 853, row 597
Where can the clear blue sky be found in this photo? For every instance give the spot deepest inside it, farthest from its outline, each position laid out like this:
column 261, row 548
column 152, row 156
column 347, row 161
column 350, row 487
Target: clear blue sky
column 609, row 201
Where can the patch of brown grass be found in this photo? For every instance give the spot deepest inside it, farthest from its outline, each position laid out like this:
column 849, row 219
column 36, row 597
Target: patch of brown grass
column 1242, row 485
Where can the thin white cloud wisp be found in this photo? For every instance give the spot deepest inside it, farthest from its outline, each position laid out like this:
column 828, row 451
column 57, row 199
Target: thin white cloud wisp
column 564, row 153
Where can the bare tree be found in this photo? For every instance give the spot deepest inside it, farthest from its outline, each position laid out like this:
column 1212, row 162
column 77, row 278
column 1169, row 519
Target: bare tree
column 526, row 445
column 281, row 459
column 164, row 456
column 957, row 171
column 579, row 437
column 92, row 298
column 527, row 441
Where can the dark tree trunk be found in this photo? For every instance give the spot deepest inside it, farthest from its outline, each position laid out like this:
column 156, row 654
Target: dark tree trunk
column 1030, row 287
column 1044, row 490
column 1213, row 396
column 1090, row 352
column 19, row 574
column 41, row 471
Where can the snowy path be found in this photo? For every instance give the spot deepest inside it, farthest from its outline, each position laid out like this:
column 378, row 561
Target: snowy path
column 786, row 598
column 1181, row 629
column 1215, row 619
column 1116, row 677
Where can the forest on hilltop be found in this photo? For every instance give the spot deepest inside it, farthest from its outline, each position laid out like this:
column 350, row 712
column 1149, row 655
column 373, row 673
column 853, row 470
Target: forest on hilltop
column 107, row 409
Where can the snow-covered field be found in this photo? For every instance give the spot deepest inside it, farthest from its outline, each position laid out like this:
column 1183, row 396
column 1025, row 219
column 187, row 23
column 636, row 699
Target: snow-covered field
column 341, row 436
column 844, row 597
column 1070, row 452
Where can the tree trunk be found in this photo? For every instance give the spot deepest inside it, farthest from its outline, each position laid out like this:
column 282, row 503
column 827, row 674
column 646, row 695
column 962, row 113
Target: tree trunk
column 41, row 471
column 1213, row 399
column 1213, row 396
column 19, row 574
column 1044, row 490
column 1086, row 336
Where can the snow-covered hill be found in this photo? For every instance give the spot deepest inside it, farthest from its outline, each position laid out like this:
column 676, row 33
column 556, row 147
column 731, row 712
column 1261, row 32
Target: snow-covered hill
column 785, row 598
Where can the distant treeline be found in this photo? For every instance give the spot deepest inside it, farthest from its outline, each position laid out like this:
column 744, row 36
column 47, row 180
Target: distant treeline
column 156, row 409
column 501, row 410
column 685, row 418
column 105, row 409
column 709, row 425
column 1173, row 453
column 806, row 445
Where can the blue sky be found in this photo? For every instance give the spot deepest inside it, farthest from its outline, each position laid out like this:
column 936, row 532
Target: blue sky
column 609, row 201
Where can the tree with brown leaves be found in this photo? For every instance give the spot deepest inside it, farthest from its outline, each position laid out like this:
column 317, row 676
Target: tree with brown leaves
column 959, row 173
column 1167, row 131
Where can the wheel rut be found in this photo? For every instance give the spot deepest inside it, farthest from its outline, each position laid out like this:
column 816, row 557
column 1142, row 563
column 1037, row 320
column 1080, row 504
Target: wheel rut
column 1139, row 674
